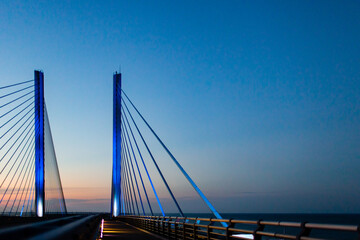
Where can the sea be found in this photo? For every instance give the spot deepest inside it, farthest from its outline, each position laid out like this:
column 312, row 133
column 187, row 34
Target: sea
column 340, row 219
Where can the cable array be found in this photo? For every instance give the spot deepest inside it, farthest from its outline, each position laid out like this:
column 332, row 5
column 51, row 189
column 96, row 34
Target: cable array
column 134, row 193
column 17, row 149
column 17, row 154
column 54, row 195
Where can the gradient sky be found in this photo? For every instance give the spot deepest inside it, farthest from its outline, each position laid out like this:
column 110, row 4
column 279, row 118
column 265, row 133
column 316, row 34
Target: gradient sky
column 258, row 100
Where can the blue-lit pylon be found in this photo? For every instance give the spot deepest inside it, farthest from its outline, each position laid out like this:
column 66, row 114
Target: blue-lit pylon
column 116, row 173
column 39, row 144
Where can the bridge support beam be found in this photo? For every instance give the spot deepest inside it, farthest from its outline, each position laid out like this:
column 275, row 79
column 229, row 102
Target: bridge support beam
column 39, row 145
column 116, row 173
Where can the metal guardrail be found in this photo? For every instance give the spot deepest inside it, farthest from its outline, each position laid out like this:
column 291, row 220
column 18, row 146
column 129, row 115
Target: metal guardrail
column 208, row 228
column 13, row 229
column 58, row 232
column 70, row 227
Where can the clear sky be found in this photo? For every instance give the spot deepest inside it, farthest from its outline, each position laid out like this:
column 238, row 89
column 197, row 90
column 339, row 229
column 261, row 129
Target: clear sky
column 258, row 100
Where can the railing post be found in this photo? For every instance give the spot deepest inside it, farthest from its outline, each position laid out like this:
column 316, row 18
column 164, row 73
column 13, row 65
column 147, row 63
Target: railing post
column 149, row 223
column 153, row 224
column 208, row 229
column 304, row 231
column 194, row 228
column 176, row 228
column 169, row 227
column 230, row 225
column 156, row 224
column 116, row 171
column 39, row 145
column 184, row 229
column 163, row 226
column 260, row 227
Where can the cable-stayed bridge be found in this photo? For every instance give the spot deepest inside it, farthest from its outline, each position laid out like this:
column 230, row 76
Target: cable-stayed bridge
column 32, row 202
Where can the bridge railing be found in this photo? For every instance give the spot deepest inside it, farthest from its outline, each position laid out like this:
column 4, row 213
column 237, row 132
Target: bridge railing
column 208, row 228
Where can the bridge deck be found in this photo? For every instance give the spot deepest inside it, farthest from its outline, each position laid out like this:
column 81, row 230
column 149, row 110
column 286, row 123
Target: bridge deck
column 114, row 229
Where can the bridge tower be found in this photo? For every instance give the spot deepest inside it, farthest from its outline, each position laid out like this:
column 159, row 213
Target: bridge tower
column 116, row 172
column 39, row 145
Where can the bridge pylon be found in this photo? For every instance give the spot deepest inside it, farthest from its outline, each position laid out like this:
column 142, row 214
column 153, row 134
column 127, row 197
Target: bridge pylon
column 39, row 145
column 116, row 171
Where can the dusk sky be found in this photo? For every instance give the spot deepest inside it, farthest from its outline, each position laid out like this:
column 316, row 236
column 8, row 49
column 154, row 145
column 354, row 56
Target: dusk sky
column 258, row 100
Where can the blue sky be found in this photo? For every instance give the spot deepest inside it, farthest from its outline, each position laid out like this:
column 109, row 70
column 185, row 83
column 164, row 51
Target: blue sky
column 258, row 100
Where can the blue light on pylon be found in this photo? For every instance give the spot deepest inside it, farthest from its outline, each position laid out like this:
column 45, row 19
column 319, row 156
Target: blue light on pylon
column 39, row 144
column 116, row 179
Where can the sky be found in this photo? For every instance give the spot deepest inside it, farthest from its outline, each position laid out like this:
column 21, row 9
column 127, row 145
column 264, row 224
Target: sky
column 258, row 100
